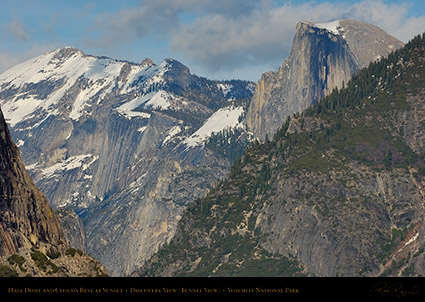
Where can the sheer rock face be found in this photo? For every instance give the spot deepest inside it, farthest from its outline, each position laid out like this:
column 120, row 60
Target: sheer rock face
column 32, row 242
column 25, row 215
column 73, row 227
column 323, row 57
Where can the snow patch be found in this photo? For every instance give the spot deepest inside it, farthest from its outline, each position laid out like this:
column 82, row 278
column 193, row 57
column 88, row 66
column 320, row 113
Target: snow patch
column 16, row 111
column 101, row 74
column 157, row 78
column 136, row 185
column 31, row 167
column 69, row 164
column 334, row 27
column 96, row 77
column 225, row 88
column 69, row 135
column 20, row 143
column 412, row 239
column 223, row 118
column 87, row 165
column 171, row 133
column 153, row 75
column 90, row 195
column 127, row 108
column 159, row 100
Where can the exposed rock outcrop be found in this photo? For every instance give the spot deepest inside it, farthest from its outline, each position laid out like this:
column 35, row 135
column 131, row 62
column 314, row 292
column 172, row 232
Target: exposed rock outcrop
column 73, row 228
column 32, row 242
column 26, row 219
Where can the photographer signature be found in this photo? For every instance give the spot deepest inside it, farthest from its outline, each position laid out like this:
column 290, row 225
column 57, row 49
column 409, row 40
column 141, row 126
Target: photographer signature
column 397, row 289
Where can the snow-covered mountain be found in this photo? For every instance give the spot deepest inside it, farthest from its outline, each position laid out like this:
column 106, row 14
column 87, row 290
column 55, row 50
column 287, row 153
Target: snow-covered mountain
column 60, row 94
column 121, row 143
column 129, row 146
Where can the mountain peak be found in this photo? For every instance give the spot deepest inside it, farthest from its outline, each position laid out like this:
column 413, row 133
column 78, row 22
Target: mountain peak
column 344, row 183
column 175, row 65
column 323, row 57
column 66, row 52
column 172, row 61
column 147, row 62
column 367, row 42
column 105, row 126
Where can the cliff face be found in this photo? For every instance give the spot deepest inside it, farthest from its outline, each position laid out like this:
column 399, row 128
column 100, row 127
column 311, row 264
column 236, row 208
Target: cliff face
column 32, row 242
column 339, row 191
column 26, row 217
column 323, row 57
column 73, row 228
column 130, row 146
column 121, row 144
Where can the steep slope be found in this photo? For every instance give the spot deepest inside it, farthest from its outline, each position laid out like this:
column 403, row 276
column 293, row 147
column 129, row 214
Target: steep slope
column 122, row 144
column 339, row 191
column 323, row 57
column 29, row 230
column 73, row 228
column 26, row 219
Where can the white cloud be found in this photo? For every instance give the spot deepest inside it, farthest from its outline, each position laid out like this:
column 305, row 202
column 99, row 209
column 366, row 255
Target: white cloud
column 262, row 36
column 17, row 30
column 224, row 35
column 157, row 17
column 221, row 37
column 393, row 18
column 265, row 35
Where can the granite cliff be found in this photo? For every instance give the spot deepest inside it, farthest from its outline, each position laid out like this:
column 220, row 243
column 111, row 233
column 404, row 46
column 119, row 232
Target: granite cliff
column 338, row 191
column 32, row 242
column 130, row 146
column 323, row 57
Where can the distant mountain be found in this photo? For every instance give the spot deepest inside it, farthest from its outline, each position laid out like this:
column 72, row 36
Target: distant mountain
column 130, row 146
column 122, row 144
column 323, row 57
column 32, row 242
column 339, row 191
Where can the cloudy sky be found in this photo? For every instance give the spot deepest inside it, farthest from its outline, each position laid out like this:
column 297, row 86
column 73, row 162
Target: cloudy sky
column 217, row 39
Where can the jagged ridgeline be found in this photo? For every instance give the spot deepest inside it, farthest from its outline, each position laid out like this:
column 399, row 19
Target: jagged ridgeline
column 338, row 191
